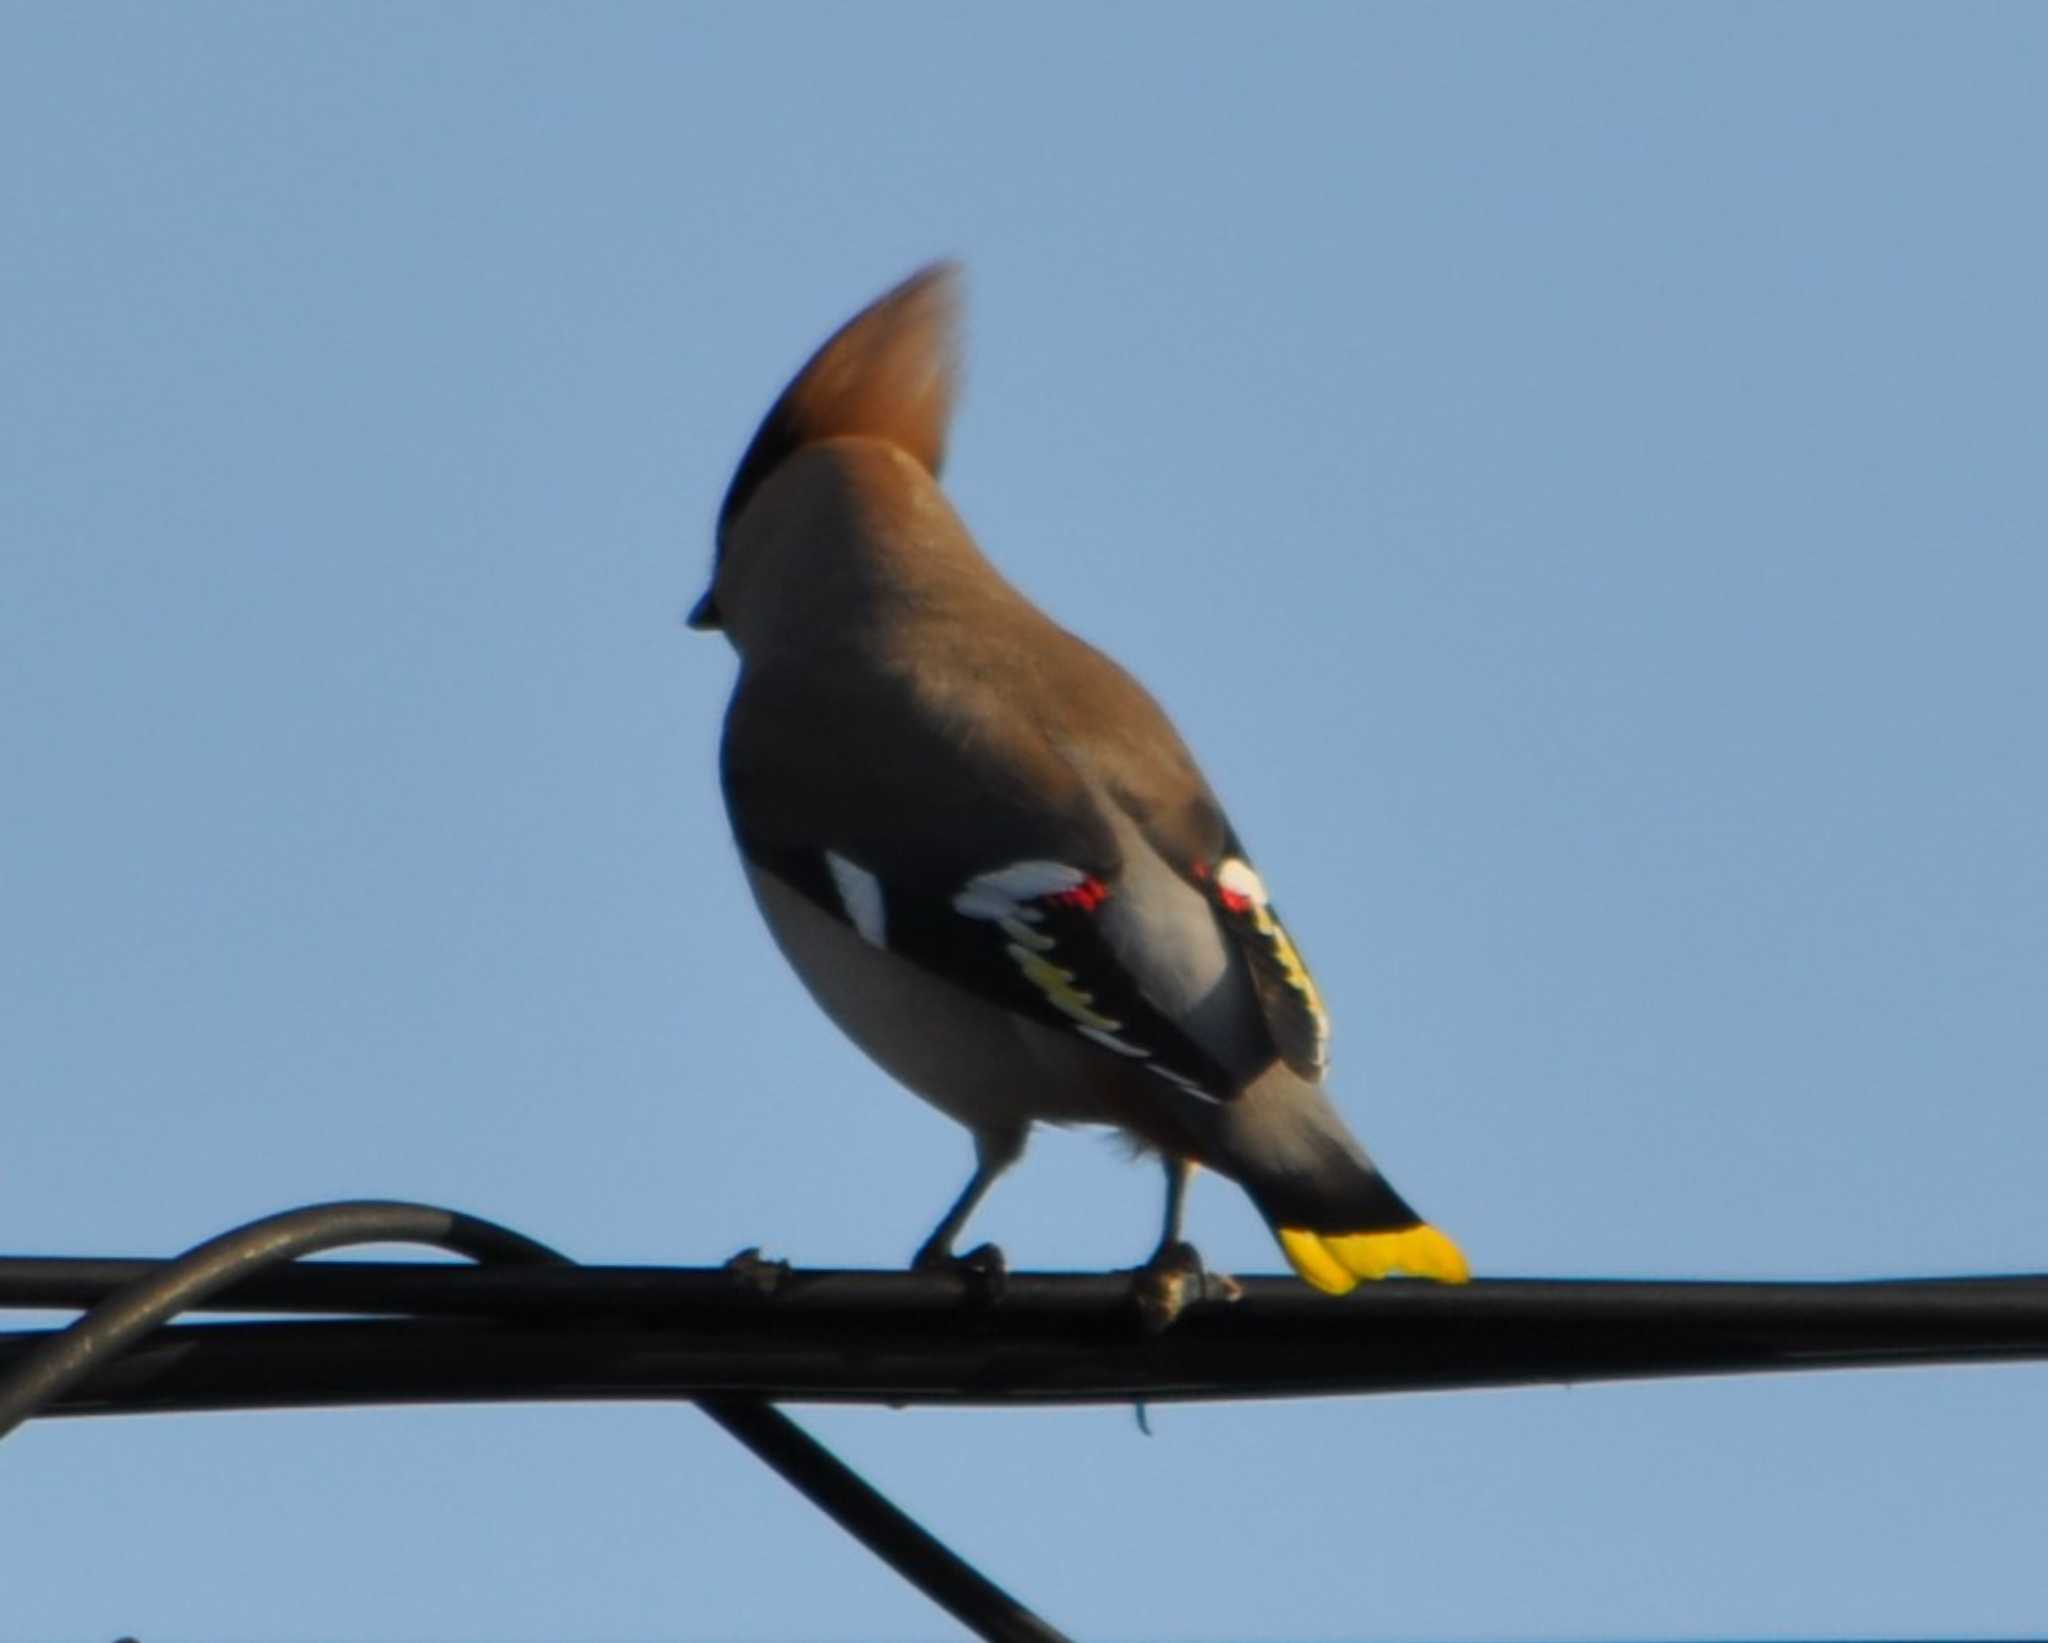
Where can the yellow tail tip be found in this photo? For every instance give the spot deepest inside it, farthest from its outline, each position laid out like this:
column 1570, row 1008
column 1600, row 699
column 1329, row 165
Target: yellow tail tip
column 1335, row 1261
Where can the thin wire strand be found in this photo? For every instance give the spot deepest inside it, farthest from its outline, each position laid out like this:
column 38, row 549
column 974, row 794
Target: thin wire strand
column 108, row 1329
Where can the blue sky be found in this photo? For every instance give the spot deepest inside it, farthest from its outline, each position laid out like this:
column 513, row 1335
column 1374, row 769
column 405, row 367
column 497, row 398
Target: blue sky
column 1574, row 473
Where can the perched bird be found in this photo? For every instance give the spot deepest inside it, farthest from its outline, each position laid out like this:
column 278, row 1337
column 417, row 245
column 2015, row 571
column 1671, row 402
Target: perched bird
column 984, row 847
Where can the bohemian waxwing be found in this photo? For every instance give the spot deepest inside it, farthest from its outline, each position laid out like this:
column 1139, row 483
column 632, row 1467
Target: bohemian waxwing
column 983, row 846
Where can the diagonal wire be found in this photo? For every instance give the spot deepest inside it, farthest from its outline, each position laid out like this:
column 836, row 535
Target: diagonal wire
column 954, row 1585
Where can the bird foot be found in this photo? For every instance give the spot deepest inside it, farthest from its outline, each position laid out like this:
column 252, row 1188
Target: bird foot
column 1173, row 1278
column 757, row 1272
column 983, row 1268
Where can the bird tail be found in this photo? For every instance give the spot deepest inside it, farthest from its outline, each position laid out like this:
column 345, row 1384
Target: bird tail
column 889, row 373
column 1335, row 1261
column 1337, row 1218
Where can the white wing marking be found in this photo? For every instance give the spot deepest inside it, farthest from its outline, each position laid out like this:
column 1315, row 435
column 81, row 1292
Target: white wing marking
column 1238, row 878
column 1109, row 1041
column 1002, row 893
column 860, row 893
column 1181, row 1082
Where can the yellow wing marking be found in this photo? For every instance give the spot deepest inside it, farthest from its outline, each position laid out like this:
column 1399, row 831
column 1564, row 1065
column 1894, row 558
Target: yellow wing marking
column 1244, row 891
column 1292, row 967
column 1058, row 985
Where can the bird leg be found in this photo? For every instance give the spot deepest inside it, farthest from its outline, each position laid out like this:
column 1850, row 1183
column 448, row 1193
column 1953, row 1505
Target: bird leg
column 993, row 1153
column 1174, row 1275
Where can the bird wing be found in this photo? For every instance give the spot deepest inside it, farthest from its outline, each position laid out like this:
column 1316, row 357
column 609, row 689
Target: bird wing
column 1002, row 862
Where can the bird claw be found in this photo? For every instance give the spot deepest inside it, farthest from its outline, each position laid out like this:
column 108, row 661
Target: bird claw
column 983, row 1268
column 1173, row 1279
column 756, row 1271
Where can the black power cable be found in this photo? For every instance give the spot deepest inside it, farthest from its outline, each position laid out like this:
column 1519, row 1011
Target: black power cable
column 529, row 1325
column 435, row 1332
column 57, row 1363
column 112, row 1326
